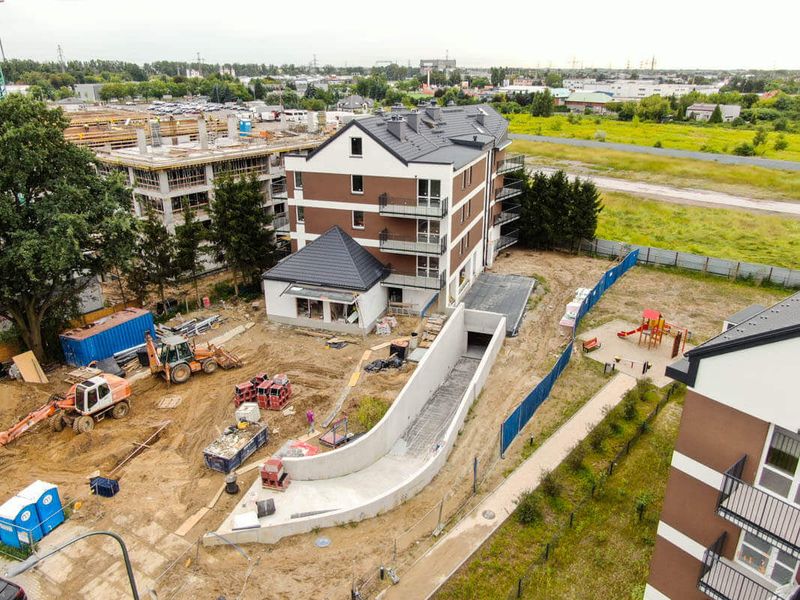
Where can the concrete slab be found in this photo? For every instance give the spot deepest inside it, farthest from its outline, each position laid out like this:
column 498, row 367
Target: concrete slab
column 630, row 353
column 433, row 568
column 503, row 294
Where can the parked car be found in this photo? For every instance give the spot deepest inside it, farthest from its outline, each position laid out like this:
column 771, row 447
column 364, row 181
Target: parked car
column 11, row 591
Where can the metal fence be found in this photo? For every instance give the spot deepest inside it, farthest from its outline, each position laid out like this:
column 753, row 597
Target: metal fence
column 526, row 409
column 649, row 255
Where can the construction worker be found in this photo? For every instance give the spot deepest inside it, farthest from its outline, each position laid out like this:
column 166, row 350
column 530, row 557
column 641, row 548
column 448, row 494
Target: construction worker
column 310, row 419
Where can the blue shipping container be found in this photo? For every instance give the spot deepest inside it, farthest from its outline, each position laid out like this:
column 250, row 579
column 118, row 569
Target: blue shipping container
column 19, row 523
column 48, row 504
column 102, row 339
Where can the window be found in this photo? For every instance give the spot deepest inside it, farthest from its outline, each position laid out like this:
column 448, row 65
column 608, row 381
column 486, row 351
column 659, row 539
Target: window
column 779, row 473
column 467, row 242
column 301, row 214
column 357, row 184
column 298, row 180
column 358, row 219
column 428, row 231
column 429, row 192
column 469, row 207
column 356, row 148
column 91, row 398
column 463, row 213
column 461, row 247
column 765, row 559
column 427, row 266
column 466, row 178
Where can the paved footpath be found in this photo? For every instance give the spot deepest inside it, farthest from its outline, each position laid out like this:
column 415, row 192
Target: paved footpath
column 431, row 570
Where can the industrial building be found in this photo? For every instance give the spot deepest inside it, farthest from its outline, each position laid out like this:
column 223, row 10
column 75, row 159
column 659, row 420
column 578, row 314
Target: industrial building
column 730, row 522
column 165, row 175
column 426, row 192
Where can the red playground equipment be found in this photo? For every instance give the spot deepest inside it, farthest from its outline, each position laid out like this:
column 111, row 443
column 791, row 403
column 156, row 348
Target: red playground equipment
column 654, row 326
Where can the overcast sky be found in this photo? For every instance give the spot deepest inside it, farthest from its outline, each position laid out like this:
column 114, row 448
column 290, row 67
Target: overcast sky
column 599, row 33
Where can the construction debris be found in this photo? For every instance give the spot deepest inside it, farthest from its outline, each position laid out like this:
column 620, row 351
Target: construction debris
column 385, row 325
column 81, row 374
column 169, row 402
column 190, row 328
column 236, row 443
column 433, row 325
column 29, row 368
column 393, row 362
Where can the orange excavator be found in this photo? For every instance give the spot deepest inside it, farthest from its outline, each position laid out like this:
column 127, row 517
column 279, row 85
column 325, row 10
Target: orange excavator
column 176, row 359
column 85, row 404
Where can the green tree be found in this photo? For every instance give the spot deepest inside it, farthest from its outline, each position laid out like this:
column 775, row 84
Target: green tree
column 542, row 104
column 781, row 143
column 760, row 137
column 258, row 90
column 716, row 115
column 583, row 207
column 189, row 250
column 653, row 108
column 154, row 255
column 58, row 220
column 554, row 79
column 240, row 227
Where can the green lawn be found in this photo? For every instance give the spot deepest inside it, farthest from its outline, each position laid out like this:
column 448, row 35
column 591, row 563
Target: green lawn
column 679, row 136
column 607, row 552
column 717, row 232
column 745, row 180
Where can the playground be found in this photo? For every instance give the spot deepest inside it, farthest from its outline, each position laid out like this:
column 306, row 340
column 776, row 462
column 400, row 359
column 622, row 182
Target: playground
column 642, row 350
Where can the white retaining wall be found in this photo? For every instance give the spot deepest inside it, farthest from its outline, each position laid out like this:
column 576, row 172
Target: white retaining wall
column 405, row 489
column 431, row 371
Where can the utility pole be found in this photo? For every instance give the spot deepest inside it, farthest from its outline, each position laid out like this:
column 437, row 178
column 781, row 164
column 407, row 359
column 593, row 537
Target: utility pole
column 61, row 59
column 199, row 65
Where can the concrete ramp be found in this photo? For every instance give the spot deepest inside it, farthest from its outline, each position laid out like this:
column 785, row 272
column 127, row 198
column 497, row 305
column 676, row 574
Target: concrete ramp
column 417, row 453
column 503, row 294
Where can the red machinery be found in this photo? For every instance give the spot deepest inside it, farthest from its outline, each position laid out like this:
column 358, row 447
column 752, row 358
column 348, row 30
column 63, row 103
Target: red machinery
column 273, row 476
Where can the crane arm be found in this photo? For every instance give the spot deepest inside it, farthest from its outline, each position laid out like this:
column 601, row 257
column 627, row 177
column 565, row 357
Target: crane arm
column 33, row 418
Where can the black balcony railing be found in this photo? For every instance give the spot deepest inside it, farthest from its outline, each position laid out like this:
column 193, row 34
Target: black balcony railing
column 510, row 189
column 508, row 214
column 433, row 245
column 506, row 240
column 279, row 191
column 511, row 163
column 770, row 518
column 720, row 580
column 395, row 206
column 421, row 279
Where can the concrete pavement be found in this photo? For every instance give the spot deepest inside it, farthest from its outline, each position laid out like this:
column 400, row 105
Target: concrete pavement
column 730, row 159
column 433, row 569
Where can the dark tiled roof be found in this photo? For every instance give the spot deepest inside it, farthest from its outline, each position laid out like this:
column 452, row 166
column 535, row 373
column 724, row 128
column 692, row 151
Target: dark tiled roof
column 333, row 260
column 778, row 322
column 440, row 133
column 745, row 314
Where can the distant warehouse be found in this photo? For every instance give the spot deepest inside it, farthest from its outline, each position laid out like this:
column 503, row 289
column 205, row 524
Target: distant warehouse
column 702, row 112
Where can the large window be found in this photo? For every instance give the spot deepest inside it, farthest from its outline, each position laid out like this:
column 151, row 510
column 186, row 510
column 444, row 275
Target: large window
column 779, row 473
column 427, row 266
column 429, row 192
column 428, row 231
column 358, row 219
column 768, row 561
column 356, row 148
column 357, row 184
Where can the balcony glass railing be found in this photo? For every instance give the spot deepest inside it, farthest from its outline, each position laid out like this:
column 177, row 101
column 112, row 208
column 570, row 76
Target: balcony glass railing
column 506, row 240
column 509, row 214
column 511, row 163
column 396, row 206
column 510, row 189
column 424, row 280
column 766, row 516
column 431, row 244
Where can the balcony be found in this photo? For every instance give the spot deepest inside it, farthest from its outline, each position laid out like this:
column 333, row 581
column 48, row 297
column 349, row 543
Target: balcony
column 510, row 189
column 280, row 222
column 422, row 279
column 509, row 214
column 394, row 206
column 762, row 514
column 721, row 579
column 433, row 245
column 506, row 240
column 512, row 163
column 278, row 190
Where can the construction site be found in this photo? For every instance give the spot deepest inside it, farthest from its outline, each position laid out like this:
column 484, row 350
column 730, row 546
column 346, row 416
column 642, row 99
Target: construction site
column 339, row 518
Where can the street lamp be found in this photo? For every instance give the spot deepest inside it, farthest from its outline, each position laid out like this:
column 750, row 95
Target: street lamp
column 33, row 560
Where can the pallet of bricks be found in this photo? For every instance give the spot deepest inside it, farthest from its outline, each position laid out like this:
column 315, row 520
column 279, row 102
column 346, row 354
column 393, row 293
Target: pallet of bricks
column 433, row 325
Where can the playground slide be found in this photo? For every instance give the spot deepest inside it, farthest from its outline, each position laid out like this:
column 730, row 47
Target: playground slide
column 623, row 334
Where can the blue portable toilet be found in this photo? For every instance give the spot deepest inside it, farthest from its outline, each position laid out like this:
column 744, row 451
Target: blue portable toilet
column 245, row 127
column 48, row 504
column 19, row 523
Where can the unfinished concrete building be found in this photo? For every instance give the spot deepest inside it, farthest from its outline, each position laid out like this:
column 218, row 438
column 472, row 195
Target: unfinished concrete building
column 168, row 174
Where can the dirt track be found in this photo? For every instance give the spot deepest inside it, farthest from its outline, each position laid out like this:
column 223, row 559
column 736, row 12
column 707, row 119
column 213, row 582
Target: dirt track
column 168, row 482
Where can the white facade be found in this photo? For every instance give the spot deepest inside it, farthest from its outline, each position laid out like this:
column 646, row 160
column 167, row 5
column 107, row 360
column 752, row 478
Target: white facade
column 636, row 89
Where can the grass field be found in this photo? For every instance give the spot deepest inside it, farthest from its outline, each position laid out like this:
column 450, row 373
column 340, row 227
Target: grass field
column 678, row 136
column 744, row 180
column 717, row 232
column 607, row 552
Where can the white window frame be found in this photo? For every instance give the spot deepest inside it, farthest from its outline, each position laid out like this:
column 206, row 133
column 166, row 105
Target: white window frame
column 428, row 270
column 429, row 199
column 294, row 178
column 353, row 154
column 363, row 219
column 352, row 182
column 772, row 559
column 794, row 487
column 427, row 236
column 300, row 213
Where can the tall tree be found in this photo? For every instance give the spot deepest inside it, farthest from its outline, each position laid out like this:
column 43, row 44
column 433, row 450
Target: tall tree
column 240, row 227
column 542, row 104
column 189, row 239
column 258, row 90
column 716, row 115
column 58, row 219
column 155, row 255
column 583, row 208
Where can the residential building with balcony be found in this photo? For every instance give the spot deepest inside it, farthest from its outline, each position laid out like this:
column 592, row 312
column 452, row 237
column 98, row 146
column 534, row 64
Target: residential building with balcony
column 175, row 172
column 430, row 193
column 730, row 523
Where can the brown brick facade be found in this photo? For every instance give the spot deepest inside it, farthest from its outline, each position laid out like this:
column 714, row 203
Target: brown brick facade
column 478, row 176
column 674, row 573
column 457, row 257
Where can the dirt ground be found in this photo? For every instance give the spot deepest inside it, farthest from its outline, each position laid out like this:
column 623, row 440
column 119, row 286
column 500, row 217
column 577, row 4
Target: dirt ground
column 168, row 482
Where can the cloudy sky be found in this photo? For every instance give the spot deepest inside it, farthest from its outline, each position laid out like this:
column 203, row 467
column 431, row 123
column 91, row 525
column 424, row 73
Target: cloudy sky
column 680, row 33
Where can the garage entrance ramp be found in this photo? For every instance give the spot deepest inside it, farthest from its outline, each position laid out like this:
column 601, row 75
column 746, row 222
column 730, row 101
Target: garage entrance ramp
column 504, row 294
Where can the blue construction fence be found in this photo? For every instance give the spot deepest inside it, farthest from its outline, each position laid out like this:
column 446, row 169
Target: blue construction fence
column 527, row 408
